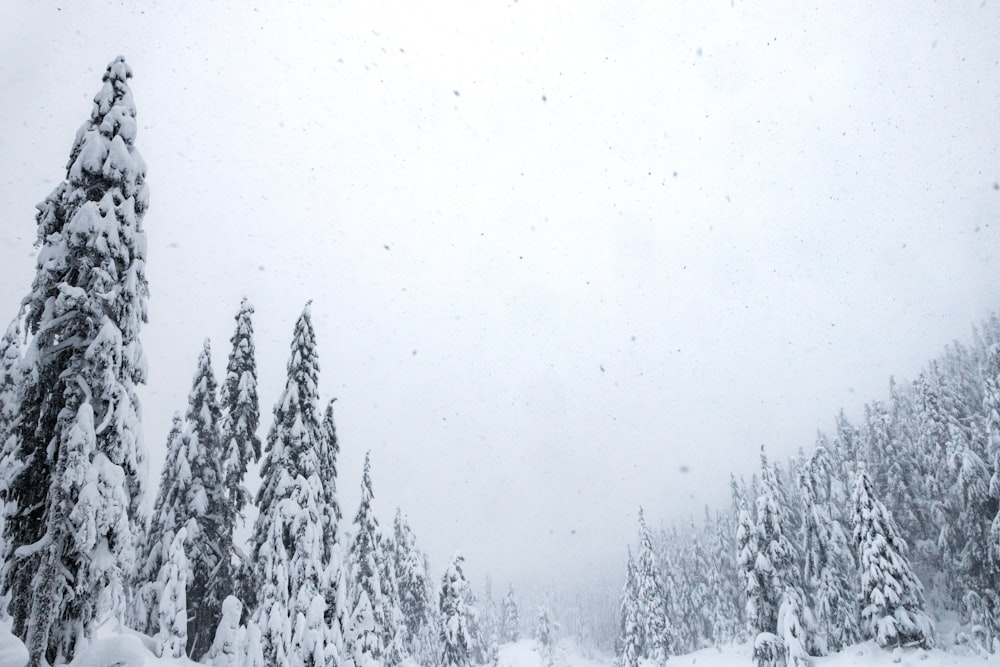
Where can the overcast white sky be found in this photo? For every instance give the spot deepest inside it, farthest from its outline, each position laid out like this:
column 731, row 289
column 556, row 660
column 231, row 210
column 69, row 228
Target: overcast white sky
column 559, row 252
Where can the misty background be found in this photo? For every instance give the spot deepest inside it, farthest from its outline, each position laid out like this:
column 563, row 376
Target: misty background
column 565, row 259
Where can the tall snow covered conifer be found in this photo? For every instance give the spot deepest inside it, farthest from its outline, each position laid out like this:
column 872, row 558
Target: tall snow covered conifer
column 458, row 643
column 631, row 637
column 10, row 375
column 829, row 565
column 173, row 632
column 169, row 516
column 240, row 410
column 775, row 565
column 892, row 599
column 415, row 593
column 722, row 578
column 653, row 599
column 751, row 582
column 510, row 627
column 395, row 625
column 287, row 543
column 238, row 428
column 983, row 605
column 10, row 464
column 335, row 569
column 206, row 509
column 192, row 497
column 77, row 496
column 366, row 626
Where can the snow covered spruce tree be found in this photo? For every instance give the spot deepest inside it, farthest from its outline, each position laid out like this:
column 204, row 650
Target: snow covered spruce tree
column 169, row 517
column 10, row 464
column 173, row 627
column 415, row 594
column 829, row 566
column 982, row 600
column 775, row 564
column 394, row 628
column 891, row 598
column 287, row 543
column 631, row 637
column 458, row 642
column 545, row 635
column 509, row 624
column 192, row 497
column 240, row 412
column 366, row 625
column 209, row 513
column 721, row 580
column 328, row 454
column 652, row 598
column 229, row 649
column 79, row 443
column 10, row 375
column 751, row 581
column 271, row 575
column 335, row 568
column 241, row 445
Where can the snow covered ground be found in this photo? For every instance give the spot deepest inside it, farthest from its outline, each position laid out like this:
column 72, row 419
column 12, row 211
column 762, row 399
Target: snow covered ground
column 525, row 653
column 134, row 650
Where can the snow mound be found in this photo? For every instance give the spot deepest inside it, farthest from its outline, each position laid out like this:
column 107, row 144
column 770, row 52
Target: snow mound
column 528, row 653
column 12, row 651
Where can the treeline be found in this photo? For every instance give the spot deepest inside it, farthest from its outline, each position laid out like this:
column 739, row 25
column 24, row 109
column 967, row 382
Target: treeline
column 885, row 524
column 78, row 552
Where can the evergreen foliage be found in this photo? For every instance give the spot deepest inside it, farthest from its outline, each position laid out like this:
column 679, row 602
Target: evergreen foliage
column 415, row 588
column 892, row 604
column 192, row 497
column 458, row 643
column 229, row 648
column 168, row 518
column 828, row 566
column 652, row 598
column 366, row 630
column 240, row 411
column 207, row 510
column 78, row 452
column 10, row 463
column 334, row 581
column 287, row 543
column 775, row 564
column 632, row 646
column 328, row 455
column 721, row 579
column 545, row 635
column 394, row 629
column 752, row 586
column 509, row 623
column 172, row 636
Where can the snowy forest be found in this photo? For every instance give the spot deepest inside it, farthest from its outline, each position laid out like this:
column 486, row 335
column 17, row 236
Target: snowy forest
column 885, row 531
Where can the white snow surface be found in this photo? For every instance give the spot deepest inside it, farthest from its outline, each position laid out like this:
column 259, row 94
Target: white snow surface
column 130, row 649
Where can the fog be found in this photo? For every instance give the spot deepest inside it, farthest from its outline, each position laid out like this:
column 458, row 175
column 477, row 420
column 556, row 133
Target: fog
column 566, row 259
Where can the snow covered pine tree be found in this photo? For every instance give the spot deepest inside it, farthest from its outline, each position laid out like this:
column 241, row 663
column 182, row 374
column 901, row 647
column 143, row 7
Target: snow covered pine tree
column 653, row 600
column 240, row 411
column 458, row 642
column 287, row 543
column 509, row 623
column 892, row 599
column 79, row 441
column 365, row 629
